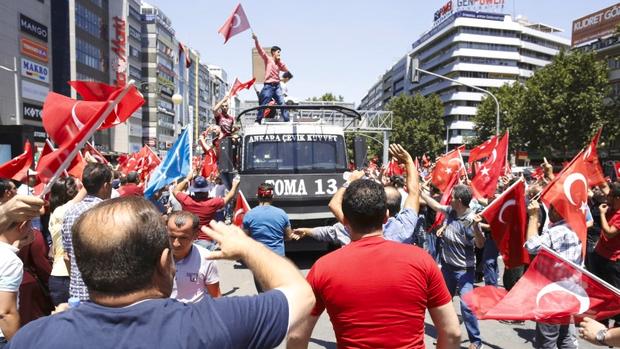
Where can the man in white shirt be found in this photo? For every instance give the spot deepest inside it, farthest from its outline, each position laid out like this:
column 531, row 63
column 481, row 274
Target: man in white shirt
column 11, row 273
column 195, row 274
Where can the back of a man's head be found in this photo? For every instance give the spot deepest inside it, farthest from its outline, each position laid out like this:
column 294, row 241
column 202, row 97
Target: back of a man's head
column 462, row 193
column 132, row 177
column 364, row 206
column 95, row 175
column 393, row 200
column 118, row 245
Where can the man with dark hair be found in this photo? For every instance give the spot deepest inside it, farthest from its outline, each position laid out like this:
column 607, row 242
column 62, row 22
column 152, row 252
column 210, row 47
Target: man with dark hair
column 196, row 275
column 268, row 224
column 7, row 190
column 97, row 180
column 559, row 237
column 200, row 204
column 401, row 223
column 132, row 187
column 123, row 251
column 458, row 261
column 271, row 86
column 376, row 291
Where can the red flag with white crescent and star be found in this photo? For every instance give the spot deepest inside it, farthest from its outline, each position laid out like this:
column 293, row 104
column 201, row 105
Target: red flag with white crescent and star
column 446, row 198
column 484, row 184
column 209, row 164
column 17, row 168
column 235, row 24
column 241, row 208
column 552, row 290
column 568, row 193
column 595, row 171
column 507, row 217
column 483, row 150
column 445, row 167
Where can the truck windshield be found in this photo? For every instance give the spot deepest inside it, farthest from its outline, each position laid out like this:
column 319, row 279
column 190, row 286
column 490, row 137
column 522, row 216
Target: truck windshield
column 292, row 153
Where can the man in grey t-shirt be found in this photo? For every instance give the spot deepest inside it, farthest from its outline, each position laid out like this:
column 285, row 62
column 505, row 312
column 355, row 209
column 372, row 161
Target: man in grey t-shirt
column 460, row 233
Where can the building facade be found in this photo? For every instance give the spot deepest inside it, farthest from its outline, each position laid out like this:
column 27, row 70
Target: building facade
column 159, row 57
column 597, row 32
column 483, row 49
column 25, row 73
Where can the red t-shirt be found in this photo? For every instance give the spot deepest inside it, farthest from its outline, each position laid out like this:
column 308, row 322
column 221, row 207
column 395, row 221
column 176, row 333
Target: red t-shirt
column 205, row 210
column 130, row 189
column 610, row 247
column 376, row 293
column 225, row 122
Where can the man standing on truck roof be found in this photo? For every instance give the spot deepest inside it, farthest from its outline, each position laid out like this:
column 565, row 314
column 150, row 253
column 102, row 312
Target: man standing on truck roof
column 271, row 86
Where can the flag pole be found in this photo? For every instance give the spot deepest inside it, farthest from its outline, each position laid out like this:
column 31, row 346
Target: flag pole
column 91, row 132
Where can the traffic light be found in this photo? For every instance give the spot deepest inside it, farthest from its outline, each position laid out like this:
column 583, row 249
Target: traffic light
column 413, row 69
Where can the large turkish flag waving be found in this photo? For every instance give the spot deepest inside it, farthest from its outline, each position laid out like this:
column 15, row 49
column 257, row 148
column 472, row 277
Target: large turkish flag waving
column 483, row 150
column 241, row 208
column 594, row 169
column 568, row 194
column 508, row 219
column 445, row 167
column 484, row 183
column 551, row 290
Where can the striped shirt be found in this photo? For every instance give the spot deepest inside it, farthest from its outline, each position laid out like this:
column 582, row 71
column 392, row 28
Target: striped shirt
column 77, row 288
column 560, row 238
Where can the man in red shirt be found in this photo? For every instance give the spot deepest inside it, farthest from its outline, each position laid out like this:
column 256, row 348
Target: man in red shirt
column 606, row 260
column 132, row 187
column 223, row 119
column 200, row 204
column 376, row 291
column 271, row 86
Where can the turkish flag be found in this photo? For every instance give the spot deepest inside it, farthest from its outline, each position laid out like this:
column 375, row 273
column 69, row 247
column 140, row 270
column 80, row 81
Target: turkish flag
column 95, row 153
column 617, row 168
column 235, row 24
column 148, row 162
column 238, row 86
column 445, row 167
column 508, row 219
column 63, row 117
column 209, row 164
column 594, row 169
column 568, row 193
column 77, row 166
column 446, row 198
column 241, row 208
column 551, row 291
column 184, row 50
column 100, row 92
column 483, row 150
column 484, row 183
column 17, row 168
column 393, row 169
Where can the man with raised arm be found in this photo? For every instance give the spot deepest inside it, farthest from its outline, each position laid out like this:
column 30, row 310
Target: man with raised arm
column 123, row 251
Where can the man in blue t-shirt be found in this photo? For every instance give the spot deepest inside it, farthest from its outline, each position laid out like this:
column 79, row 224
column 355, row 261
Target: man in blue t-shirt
column 122, row 249
column 268, row 224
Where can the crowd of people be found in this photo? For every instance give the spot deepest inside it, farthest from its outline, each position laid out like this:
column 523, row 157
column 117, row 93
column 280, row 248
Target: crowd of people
column 118, row 270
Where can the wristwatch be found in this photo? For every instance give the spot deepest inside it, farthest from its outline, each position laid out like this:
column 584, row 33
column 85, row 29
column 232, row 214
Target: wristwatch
column 600, row 336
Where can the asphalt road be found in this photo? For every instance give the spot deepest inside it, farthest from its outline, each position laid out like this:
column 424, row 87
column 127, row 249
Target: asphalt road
column 236, row 280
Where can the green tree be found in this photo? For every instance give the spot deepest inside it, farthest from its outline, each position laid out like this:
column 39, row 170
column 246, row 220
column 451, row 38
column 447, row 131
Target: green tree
column 559, row 108
column 418, row 124
column 510, row 97
column 327, row 97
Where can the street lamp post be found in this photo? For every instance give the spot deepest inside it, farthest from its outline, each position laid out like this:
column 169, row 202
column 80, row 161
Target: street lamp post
column 15, row 72
column 470, row 86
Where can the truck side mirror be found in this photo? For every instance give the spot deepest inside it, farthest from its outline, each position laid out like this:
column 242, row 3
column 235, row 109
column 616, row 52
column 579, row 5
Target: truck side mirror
column 359, row 151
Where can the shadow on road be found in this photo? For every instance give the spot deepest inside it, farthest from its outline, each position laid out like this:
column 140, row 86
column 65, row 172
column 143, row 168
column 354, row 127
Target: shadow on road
column 526, row 333
column 304, row 260
column 324, row 344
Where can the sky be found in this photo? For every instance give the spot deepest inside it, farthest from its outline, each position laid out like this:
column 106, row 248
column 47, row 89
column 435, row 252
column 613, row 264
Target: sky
column 338, row 46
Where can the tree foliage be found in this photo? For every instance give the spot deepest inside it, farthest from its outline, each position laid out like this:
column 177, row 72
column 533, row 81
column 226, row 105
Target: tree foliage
column 418, row 124
column 327, row 97
column 558, row 109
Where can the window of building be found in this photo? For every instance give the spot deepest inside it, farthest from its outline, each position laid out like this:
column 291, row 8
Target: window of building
column 99, row 3
column 89, row 55
column 134, row 33
column 134, row 52
column 135, row 73
column 88, row 20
